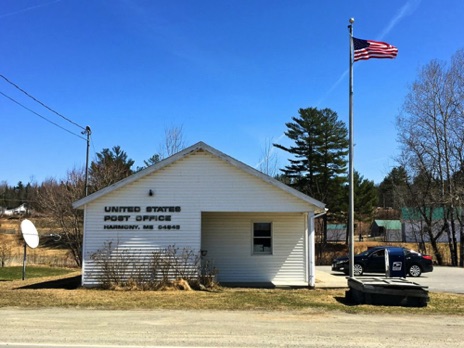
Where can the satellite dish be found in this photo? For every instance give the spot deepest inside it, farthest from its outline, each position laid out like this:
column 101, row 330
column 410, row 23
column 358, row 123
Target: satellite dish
column 30, row 235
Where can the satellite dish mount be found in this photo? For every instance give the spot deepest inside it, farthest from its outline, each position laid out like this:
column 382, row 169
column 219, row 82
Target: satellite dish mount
column 31, row 239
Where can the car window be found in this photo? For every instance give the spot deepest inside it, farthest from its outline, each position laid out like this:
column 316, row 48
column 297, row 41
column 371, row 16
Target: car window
column 410, row 251
column 364, row 253
column 378, row 253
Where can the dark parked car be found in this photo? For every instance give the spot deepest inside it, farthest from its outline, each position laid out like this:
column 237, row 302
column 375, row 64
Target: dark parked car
column 373, row 261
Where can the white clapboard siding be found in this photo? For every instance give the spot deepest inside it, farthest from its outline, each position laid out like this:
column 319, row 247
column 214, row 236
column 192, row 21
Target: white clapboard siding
column 200, row 183
column 227, row 237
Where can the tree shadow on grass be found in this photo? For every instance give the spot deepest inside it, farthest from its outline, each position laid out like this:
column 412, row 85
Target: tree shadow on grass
column 69, row 283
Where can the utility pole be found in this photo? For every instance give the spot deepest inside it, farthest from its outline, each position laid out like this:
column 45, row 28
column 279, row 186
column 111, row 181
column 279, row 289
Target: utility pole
column 87, row 131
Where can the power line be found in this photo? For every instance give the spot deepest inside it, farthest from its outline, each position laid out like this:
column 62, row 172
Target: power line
column 43, row 117
column 38, row 101
column 93, row 145
column 85, row 130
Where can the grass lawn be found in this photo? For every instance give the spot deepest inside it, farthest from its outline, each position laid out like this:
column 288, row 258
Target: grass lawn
column 16, row 272
column 54, row 287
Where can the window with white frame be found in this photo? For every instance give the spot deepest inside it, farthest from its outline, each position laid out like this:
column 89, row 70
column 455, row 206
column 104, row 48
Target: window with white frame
column 262, row 238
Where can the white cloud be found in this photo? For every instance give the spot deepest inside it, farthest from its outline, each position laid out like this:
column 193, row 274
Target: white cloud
column 30, row 8
column 407, row 9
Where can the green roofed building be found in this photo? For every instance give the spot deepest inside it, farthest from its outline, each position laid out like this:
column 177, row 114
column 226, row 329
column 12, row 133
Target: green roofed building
column 336, row 232
column 389, row 229
column 414, row 214
column 417, row 229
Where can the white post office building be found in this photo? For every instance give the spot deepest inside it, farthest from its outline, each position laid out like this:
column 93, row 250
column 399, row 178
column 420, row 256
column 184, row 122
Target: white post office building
column 254, row 228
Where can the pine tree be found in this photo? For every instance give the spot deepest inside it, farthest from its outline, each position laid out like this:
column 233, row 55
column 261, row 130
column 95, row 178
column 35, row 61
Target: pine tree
column 319, row 163
column 109, row 167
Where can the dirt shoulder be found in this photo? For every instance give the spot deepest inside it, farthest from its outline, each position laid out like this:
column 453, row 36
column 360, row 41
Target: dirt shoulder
column 226, row 328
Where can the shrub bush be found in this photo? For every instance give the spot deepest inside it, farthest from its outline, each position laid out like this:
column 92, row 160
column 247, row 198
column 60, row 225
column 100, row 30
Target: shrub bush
column 167, row 268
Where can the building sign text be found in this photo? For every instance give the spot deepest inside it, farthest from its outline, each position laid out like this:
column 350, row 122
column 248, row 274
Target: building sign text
column 134, row 215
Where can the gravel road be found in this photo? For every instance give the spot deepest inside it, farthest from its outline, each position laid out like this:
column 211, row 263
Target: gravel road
column 161, row 328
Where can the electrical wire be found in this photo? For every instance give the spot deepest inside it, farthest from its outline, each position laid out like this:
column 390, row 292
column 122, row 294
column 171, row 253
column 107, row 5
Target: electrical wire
column 43, row 117
column 45, row 106
column 93, row 144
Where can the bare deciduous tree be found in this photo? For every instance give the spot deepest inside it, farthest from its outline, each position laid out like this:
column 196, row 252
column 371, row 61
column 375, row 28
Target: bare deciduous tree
column 431, row 133
column 268, row 163
column 173, row 141
column 55, row 198
column 5, row 254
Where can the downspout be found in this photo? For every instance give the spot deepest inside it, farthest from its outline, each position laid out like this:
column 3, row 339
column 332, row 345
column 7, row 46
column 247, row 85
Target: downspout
column 84, row 252
column 311, row 247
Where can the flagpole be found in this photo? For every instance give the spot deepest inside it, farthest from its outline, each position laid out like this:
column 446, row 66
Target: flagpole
column 350, row 166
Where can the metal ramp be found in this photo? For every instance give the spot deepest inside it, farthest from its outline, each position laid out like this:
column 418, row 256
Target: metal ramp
column 387, row 291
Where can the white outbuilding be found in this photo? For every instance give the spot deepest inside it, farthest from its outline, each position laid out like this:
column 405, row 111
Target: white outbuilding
column 254, row 228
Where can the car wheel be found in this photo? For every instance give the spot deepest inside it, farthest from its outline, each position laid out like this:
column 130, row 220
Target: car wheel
column 358, row 269
column 415, row 271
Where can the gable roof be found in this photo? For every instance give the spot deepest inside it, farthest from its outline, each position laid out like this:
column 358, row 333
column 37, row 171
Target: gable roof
column 389, row 224
column 435, row 213
column 200, row 146
column 336, row 227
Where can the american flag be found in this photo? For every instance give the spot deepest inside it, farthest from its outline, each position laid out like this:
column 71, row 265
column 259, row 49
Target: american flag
column 366, row 49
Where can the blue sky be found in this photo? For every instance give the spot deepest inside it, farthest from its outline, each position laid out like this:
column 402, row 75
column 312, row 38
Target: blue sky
column 231, row 73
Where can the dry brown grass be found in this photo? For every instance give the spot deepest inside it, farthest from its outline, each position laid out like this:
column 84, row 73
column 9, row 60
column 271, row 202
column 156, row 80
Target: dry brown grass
column 38, row 293
column 40, row 256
